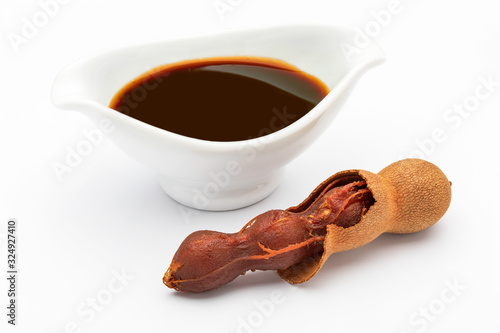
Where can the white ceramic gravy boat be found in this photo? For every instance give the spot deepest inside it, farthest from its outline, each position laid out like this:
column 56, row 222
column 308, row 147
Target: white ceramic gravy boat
column 219, row 175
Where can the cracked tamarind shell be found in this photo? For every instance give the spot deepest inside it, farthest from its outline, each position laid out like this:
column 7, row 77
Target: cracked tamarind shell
column 410, row 195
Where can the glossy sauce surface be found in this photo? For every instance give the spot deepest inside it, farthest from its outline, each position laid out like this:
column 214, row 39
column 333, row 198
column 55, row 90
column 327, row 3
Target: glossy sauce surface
column 221, row 99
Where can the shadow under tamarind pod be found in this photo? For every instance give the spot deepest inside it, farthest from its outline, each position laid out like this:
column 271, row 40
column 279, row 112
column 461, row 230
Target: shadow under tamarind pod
column 346, row 211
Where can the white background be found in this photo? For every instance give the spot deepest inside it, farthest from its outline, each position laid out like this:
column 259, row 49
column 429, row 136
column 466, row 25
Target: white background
column 110, row 217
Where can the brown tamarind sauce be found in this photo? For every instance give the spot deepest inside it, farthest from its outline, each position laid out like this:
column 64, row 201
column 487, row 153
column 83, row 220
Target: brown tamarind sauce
column 221, row 99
